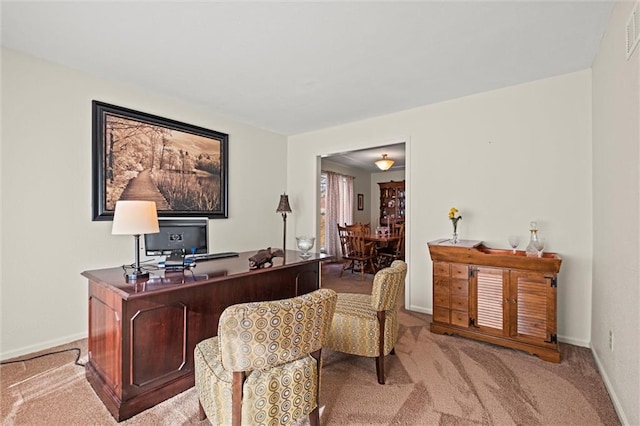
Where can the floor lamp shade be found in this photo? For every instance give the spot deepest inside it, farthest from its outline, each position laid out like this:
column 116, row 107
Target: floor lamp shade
column 135, row 218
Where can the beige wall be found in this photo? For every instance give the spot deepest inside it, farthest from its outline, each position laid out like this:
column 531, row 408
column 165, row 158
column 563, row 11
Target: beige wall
column 48, row 237
column 616, row 216
column 503, row 158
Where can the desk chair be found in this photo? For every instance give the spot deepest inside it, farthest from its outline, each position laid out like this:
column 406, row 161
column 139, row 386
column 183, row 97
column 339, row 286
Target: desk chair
column 264, row 365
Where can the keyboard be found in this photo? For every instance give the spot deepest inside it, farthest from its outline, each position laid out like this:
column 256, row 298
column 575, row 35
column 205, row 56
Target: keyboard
column 213, row 256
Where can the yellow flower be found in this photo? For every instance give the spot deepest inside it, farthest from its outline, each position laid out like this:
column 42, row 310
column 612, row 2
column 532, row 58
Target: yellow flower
column 452, row 213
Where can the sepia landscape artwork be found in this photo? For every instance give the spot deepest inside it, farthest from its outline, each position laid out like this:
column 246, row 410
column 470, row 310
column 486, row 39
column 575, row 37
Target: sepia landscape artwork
column 138, row 156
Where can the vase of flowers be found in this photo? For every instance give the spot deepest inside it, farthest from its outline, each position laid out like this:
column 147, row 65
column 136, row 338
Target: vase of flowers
column 454, row 220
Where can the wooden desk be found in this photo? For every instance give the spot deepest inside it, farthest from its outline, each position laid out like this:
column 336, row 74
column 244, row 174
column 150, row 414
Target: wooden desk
column 142, row 335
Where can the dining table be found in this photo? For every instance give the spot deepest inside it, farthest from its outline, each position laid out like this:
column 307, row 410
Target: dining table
column 381, row 240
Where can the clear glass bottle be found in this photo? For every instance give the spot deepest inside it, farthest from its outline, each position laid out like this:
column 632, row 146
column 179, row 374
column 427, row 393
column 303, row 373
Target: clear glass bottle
column 531, row 250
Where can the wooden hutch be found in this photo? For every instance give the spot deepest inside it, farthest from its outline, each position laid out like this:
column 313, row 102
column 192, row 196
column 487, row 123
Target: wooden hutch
column 496, row 296
column 392, row 203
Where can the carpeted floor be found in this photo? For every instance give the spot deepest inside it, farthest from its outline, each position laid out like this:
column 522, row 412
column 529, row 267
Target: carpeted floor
column 432, row 380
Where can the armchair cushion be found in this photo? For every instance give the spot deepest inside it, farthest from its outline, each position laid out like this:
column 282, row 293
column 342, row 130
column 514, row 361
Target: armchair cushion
column 355, row 328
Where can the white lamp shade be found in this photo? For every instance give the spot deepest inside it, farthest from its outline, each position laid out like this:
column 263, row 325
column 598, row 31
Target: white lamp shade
column 135, row 218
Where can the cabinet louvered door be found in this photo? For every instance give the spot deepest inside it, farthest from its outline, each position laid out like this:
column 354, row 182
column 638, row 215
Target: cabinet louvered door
column 533, row 313
column 491, row 313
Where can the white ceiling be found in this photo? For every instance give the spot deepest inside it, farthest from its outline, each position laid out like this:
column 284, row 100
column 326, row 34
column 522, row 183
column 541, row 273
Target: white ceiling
column 365, row 159
column 294, row 67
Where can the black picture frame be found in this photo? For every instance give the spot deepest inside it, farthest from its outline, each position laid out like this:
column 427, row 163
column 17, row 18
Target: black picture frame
column 360, row 201
column 134, row 153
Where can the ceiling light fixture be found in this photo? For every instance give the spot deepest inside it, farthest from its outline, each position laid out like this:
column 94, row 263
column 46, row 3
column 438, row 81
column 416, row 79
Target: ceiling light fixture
column 384, row 164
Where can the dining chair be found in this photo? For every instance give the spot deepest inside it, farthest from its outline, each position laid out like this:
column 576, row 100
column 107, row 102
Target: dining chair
column 357, row 253
column 264, row 365
column 367, row 325
column 385, row 256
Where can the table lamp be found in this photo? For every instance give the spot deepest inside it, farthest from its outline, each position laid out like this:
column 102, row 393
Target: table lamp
column 284, row 208
column 135, row 218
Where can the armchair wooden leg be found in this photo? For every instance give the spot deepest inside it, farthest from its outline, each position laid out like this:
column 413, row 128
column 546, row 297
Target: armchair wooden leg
column 236, row 398
column 201, row 414
column 380, row 358
column 314, row 417
column 380, row 369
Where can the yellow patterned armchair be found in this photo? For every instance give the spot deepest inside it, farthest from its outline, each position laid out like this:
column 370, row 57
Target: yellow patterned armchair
column 264, row 365
column 367, row 325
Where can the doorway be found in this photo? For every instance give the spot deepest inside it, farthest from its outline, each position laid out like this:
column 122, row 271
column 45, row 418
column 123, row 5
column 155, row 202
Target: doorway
column 365, row 197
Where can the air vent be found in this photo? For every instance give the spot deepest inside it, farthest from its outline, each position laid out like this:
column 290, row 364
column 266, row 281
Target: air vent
column 633, row 30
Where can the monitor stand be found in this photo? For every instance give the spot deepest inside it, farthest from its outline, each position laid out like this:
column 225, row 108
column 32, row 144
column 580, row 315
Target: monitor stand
column 175, row 257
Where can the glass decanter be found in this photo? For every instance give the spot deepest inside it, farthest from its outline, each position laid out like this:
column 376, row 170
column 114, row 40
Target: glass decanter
column 531, row 250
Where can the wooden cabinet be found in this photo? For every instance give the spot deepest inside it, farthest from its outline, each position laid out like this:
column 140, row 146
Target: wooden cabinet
column 392, row 202
column 496, row 296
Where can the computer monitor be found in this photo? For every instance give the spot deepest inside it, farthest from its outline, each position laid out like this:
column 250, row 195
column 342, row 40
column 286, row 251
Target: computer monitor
column 178, row 236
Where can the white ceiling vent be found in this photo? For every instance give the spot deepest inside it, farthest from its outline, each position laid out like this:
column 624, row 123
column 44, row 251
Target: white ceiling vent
column 633, row 30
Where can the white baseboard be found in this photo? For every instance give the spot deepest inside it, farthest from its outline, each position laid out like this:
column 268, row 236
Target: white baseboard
column 42, row 345
column 419, row 309
column 610, row 389
column 575, row 342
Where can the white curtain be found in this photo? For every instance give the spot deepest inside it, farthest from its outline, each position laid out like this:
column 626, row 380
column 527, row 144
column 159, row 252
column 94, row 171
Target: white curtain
column 338, row 209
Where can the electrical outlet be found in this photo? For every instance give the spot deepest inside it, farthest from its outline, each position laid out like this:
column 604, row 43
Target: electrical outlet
column 611, row 340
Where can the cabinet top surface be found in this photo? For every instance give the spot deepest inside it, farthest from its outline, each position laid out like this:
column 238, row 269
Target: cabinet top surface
column 476, row 253
column 203, row 272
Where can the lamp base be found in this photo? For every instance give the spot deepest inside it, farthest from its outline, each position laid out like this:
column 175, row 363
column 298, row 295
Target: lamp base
column 136, row 275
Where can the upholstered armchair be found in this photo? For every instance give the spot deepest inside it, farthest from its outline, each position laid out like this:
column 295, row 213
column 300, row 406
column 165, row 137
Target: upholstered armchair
column 263, row 367
column 367, row 325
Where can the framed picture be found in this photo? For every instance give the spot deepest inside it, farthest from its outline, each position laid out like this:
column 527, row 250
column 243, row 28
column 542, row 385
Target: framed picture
column 138, row 156
column 360, row 201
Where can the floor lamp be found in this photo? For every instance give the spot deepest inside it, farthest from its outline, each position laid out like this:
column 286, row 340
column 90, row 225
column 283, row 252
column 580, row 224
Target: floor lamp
column 284, row 208
column 135, row 218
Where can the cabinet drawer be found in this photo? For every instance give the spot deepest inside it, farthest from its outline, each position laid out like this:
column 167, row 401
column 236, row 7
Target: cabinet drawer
column 441, row 315
column 460, row 318
column 441, row 282
column 460, row 287
column 460, row 303
column 440, row 269
column 441, row 297
column 460, row 271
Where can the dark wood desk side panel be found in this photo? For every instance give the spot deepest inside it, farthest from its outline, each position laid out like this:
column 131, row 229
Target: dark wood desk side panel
column 159, row 332
column 105, row 338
